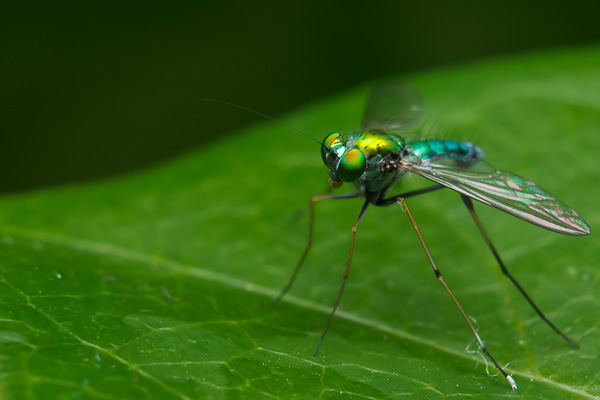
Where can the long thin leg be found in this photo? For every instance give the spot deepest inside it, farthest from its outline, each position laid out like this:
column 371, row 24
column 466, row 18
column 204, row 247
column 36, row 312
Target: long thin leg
column 313, row 200
column 394, row 199
column 505, row 271
column 337, row 301
column 438, row 275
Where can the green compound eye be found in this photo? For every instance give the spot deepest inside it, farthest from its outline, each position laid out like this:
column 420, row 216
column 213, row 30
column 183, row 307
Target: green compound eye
column 352, row 166
column 332, row 140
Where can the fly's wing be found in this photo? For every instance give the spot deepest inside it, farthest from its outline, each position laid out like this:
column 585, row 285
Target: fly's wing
column 504, row 190
column 393, row 106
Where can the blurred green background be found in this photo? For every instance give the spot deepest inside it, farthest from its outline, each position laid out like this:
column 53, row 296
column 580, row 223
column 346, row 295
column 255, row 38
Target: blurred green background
column 97, row 88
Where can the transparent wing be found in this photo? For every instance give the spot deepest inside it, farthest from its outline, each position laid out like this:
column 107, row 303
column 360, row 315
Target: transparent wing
column 504, row 190
column 393, row 106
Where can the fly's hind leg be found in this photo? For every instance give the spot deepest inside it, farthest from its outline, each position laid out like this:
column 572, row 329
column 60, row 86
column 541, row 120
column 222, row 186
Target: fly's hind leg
column 469, row 203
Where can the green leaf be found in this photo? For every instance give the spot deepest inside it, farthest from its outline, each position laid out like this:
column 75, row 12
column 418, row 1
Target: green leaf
column 155, row 285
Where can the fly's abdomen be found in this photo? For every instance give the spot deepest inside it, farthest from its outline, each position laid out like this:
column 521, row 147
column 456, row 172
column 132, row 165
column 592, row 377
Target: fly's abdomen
column 432, row 148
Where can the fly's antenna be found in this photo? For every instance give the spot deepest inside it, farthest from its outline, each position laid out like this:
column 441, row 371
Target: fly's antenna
column 264, row 116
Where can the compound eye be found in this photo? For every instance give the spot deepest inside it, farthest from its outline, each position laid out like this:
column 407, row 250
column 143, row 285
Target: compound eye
column 352, row 166
column 331, row 140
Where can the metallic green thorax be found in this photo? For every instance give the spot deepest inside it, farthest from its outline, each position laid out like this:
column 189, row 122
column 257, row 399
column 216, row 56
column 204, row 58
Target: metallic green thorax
column 373, row 159
column 382, row 150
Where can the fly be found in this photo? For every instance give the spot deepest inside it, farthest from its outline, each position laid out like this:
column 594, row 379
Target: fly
column 376, row 157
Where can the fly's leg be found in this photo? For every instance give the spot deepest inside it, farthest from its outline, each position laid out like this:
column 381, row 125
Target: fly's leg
column 394, row 199
column 438, row 275
column 313, row 200
column 505, row 271
column 339, row 297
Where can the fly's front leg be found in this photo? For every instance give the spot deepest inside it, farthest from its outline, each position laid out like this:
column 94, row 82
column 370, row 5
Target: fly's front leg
column 345, row 278
column 313, row 200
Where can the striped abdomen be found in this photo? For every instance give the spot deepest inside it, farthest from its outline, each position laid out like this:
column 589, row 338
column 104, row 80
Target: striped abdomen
column 431, row 148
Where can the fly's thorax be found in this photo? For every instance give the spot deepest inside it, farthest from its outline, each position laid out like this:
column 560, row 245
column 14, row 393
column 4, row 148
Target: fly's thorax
column 375, row 142
column 348, row 161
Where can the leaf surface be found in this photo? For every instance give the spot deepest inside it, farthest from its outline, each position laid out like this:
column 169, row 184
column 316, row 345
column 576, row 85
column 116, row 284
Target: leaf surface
column 155, row 285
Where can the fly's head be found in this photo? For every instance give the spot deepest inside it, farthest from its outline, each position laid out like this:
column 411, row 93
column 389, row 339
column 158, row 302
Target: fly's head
column 345, row 163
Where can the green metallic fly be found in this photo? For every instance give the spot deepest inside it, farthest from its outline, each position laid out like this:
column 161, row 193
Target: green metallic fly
column 375, row 157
